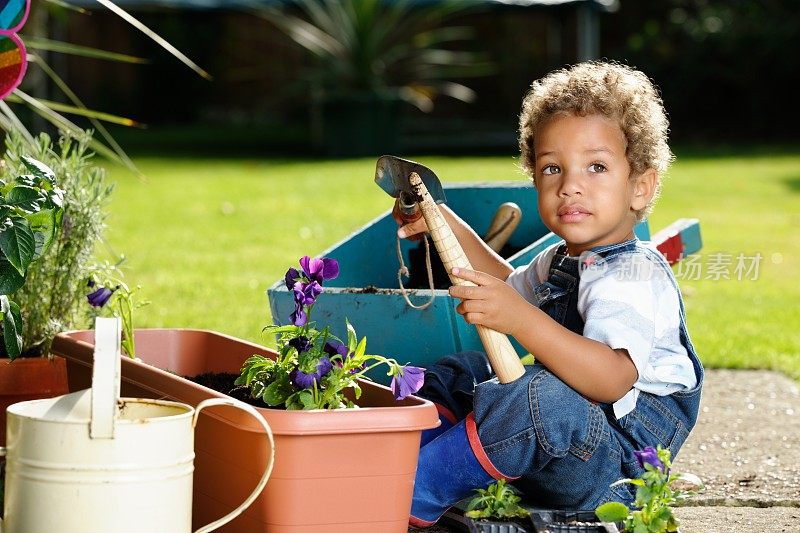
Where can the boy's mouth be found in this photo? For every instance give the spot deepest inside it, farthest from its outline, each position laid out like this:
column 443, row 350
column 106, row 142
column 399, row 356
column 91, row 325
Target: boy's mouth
column 572, row 213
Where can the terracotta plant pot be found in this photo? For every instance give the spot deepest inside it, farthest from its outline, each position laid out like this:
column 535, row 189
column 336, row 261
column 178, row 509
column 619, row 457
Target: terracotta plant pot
column 346, row 470
column 29, row 379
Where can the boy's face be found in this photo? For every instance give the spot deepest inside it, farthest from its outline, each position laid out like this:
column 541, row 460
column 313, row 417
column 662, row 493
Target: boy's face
column 582, row 177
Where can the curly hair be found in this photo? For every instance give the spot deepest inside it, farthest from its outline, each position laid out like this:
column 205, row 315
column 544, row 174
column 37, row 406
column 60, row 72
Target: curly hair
column 613, row 90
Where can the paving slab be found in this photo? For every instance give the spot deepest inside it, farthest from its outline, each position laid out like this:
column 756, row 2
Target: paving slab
column 746, row 444
column 738, row 519
column 746, row 449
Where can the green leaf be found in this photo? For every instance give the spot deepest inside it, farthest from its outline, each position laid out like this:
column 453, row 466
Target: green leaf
column 39, row 169
column 256, row 389
column 479, row 501
column 38, row 43
column 307, row 399
column 44, row 225
column 154, row 36
column 18, row 244
column 26, row 179
column 360, row 349
column 12, row 327
column 612, row 512
column 251, row 361
column 114, row 153
column 278, row 391
column 352, row 338
column 24, row 197
column 39, row 246
column 293, row 402
column 672, row 523
column 275, row 330
column 56, row 198
column 657, row 525
column 251, row 375
column 84, row 112
column 633, row 481
column 10, row 278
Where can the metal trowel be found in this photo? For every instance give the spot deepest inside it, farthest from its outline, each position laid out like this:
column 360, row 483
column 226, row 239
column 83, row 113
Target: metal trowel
column 391, row 175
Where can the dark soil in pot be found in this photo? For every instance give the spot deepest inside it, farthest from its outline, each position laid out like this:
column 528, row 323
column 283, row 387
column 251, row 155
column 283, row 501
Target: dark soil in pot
column 224, row 383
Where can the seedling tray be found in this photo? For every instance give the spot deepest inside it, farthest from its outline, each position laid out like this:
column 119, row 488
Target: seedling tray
column 549, row 521
column 540, row 521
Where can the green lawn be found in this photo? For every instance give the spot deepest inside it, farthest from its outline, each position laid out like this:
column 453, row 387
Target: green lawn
column 206, row 237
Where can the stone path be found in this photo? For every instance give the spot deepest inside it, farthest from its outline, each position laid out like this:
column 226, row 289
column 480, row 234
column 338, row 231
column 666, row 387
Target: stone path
column 746, row 449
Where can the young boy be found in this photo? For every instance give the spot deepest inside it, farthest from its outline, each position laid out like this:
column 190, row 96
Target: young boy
column 601, row 312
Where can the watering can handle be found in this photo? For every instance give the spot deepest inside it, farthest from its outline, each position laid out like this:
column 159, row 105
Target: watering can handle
column 267, row 471
column 105, row 377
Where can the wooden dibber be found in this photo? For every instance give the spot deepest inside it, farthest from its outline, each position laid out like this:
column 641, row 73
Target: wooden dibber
column 505, row 221
column 502, row 356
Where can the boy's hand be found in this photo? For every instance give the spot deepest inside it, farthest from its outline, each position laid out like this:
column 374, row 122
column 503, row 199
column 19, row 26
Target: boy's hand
column 491, row 302
column 412, row 231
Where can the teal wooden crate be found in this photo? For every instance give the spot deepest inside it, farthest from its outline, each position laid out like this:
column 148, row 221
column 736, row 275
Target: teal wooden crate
column 367, row 292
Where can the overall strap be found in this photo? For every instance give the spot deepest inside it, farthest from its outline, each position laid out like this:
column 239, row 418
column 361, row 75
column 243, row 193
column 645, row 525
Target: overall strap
column 558, row 295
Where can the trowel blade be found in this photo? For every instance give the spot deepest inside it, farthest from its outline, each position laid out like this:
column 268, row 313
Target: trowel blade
column 392, row 173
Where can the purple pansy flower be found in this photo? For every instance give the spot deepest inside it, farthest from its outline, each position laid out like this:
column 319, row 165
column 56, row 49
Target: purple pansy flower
column 306, row 293
column 407, row 381
column 291, row 277
column 100, row 297
column 307, row 285
column 650, row 456
column 300, row 343
column 335, row 347
column 299, row 316
column 319, row 270
column 303, row 380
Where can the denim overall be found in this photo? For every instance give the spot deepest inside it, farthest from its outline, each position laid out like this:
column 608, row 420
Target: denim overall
column 563, row 449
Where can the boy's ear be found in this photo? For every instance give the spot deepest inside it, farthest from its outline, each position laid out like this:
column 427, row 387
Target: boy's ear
column 644, row 186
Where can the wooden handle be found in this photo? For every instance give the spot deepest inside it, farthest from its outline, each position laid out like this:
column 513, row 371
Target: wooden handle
column 502, row 356
column 505, row 221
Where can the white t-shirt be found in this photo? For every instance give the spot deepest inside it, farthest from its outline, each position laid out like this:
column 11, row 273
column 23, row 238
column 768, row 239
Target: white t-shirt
column 627, row 302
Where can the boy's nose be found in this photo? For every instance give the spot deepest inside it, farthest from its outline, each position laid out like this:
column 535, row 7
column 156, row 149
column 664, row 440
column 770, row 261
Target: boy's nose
column 570, row 184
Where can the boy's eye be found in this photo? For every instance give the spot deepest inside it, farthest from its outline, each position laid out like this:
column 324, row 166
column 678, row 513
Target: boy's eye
column 597, row 167
column 550, row 169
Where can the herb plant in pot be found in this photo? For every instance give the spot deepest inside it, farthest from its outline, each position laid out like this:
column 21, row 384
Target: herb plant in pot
column 31, row 215
column 50, row 290
column 339, row 438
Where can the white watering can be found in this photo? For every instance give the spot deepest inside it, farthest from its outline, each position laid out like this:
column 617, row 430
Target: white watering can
column 92, row 462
